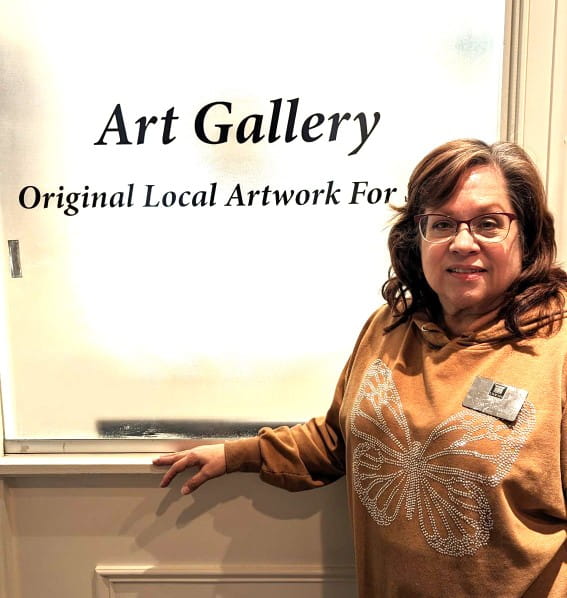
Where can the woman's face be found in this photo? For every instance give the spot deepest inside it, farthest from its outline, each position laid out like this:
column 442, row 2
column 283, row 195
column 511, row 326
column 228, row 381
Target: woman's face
column 469, row 276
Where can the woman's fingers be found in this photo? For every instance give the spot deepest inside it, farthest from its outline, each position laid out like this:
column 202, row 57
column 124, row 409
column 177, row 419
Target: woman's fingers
column 178, row 462
column 209, row 459
column 194, row 482
column 167, row 459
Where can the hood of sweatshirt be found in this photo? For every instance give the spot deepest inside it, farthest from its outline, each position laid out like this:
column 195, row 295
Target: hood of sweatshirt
column 493, row 333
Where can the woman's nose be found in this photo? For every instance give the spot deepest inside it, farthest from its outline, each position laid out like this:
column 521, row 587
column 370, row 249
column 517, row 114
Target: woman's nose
column 464, row 240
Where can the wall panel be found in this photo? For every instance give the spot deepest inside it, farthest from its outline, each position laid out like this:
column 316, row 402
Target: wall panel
column 78, row 536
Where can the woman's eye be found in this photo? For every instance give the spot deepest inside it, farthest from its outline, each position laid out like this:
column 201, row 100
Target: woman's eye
column 442, row 225
column 487, row 224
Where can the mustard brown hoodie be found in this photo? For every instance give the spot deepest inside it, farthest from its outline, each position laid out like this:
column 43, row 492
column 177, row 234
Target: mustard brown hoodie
column 444, row 500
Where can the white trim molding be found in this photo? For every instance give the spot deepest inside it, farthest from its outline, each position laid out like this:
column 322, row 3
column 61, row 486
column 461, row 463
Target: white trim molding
column 91, row 464
column 534, row 99
column 110, row 577
column 514, row 70
column 556, row 175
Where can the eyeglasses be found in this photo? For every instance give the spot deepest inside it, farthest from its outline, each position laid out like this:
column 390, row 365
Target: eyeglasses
column 487, row 228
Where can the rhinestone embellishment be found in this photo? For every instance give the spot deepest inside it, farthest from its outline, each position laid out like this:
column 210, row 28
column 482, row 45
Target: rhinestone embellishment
column 440, row 480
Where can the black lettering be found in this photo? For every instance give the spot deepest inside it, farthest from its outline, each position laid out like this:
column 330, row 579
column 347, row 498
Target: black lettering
column 364, row 132
column 308, row 125
column 143, row 124
column 251, row 195
column 120, row 128
column 95, row 197
column 200, row 199
column 331, row 191
column 116, row 200
column 336, row 120
column 60, row 197
column 36, row 197
column 46, row 198
column 167, row 124
column 236, row 194
column 149, row 196
column 183, row 203
column 356, row 192
column 200, row 124
column 374, row 195
column 282, row 197
column 388, row 193
column 168, row 199
column 316, row 193
column 86, row 197
column 273, row 132
column 265, row 200
column 71, row 209
column 302, row 197
column 255, row 134
column 289, row 132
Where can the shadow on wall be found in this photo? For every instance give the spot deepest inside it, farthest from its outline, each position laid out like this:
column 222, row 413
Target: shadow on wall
column 262, row 526
column 235, row 523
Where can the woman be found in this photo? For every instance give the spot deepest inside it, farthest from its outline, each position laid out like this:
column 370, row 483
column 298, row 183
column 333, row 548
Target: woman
column 447, row 418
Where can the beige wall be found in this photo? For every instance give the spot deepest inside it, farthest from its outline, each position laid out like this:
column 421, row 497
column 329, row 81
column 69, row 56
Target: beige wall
column 120, row 535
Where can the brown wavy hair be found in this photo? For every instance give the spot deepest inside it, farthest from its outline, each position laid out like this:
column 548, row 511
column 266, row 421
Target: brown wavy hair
column 431, row 184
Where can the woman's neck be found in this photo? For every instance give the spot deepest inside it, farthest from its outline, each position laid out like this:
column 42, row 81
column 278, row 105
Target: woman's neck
column 460, row 323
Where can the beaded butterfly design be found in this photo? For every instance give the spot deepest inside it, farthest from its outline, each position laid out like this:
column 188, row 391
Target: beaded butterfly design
column 440, row 480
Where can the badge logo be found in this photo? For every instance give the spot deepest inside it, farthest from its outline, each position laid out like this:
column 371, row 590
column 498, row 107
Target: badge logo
column 495, row 398
column 498, row 391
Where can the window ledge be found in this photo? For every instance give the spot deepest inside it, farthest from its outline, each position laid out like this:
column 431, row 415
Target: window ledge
column 93, row 463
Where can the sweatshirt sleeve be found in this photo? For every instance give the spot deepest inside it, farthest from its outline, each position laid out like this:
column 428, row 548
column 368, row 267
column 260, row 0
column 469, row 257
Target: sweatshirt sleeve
column 301, row 457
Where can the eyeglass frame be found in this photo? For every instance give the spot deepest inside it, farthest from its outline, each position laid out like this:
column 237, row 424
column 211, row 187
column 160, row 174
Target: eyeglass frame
column 419, row 217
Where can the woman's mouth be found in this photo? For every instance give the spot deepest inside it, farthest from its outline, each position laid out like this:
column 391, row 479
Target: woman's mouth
column 465, row 270
column 466, row 273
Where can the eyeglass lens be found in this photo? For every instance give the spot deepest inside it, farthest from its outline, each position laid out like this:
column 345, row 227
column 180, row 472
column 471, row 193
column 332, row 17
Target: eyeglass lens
column 487, row 227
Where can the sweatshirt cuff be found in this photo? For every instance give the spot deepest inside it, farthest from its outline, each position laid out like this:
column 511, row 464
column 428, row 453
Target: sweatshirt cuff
column 243, row 455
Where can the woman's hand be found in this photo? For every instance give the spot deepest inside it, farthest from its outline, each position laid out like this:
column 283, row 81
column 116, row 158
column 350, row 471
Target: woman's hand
column 209, row 460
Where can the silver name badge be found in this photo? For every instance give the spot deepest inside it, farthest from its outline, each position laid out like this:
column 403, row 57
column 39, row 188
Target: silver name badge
column 500, row 400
